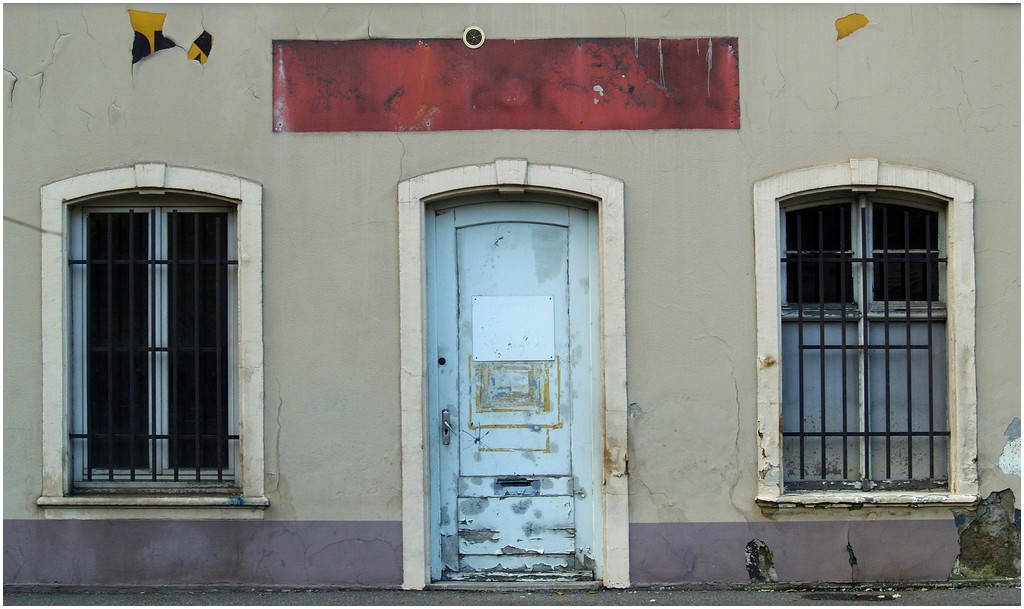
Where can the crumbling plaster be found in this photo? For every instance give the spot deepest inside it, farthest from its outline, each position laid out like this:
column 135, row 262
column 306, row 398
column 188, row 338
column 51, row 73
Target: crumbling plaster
column 989, row 536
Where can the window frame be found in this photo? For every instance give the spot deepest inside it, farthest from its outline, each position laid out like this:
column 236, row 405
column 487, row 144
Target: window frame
column 57, row 199
column 855, row 177
column 863, row 310
column 160, row 212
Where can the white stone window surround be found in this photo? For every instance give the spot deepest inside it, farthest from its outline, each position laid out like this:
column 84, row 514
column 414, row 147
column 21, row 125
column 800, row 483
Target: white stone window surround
column 869, row 175
column 150, row 179
column 511, row 175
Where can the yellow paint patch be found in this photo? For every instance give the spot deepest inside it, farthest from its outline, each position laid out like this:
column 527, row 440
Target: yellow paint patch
column 849, row 24
column 149, row 34
column 147, row 24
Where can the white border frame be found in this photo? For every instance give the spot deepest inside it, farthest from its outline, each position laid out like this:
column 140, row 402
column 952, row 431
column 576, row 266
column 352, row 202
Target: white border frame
column 150, row 179
column 515, row 175
column 868, row 175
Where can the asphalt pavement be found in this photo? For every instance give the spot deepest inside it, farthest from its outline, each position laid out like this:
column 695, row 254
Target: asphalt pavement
column 1003, row 594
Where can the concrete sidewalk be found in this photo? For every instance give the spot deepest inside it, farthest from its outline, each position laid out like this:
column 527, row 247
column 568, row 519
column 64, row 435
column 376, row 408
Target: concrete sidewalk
column 999, row 594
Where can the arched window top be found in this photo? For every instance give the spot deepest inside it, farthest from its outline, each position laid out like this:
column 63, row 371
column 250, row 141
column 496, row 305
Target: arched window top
column 512, row 175
column 863, row 175
column 150, row 178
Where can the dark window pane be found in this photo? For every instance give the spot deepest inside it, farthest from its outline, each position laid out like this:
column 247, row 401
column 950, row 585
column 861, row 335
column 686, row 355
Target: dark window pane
column 817, row 255
column 198, row 301
column 116, row 332
column 905, row 253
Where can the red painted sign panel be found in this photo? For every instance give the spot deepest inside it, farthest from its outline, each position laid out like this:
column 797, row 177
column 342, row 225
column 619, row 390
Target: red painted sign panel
column 439, row 85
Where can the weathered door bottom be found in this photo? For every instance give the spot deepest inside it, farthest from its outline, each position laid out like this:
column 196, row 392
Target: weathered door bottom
column 581, row 575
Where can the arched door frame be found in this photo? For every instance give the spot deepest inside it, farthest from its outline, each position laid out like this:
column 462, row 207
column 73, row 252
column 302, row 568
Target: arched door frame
column 511, row 175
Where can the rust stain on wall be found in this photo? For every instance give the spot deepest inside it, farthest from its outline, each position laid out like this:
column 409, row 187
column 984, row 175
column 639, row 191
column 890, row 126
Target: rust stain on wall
column 564, row 84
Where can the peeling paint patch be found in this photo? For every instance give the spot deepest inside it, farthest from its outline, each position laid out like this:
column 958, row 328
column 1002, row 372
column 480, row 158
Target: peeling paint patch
column 1009, row 460
column 989, row 539
column 849, row 24
column 478, row 535
column 201, row 47
column 760, row 562
column 149, row 34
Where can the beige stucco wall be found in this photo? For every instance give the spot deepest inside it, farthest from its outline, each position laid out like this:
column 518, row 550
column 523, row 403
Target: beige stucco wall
column 931, row 86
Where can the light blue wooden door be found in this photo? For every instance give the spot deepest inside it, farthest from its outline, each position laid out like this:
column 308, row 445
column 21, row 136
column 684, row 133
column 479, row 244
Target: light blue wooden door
column 510, row 321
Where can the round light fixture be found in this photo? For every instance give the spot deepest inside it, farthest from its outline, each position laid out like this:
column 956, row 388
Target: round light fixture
column 473, row 37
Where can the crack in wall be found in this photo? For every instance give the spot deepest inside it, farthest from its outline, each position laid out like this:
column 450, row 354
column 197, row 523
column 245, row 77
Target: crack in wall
column 316, row 34
column 85, row 22
column 88, row 121
column 667, row 503
column 115, row 112
column 277, row 436
column 736, row 474
column 848, row 99
column 852, row 558
column 41, row 74
column 963, row 86
column 401, row 159
column 14, row 83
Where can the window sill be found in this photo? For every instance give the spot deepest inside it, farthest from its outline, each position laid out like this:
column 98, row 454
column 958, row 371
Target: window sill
column 161, row 508
column 860, row 500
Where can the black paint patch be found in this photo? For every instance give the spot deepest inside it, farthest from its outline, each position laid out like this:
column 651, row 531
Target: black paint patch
column 142, row 49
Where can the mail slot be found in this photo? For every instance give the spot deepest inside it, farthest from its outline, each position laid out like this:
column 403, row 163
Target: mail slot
column 514, row 481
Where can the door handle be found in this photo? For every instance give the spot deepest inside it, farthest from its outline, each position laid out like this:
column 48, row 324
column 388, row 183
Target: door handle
column 446, row 427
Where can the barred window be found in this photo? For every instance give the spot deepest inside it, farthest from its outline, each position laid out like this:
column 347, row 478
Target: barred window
column 153, row 361
column 863, row 345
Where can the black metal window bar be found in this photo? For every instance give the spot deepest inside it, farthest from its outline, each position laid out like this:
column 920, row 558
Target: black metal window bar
column 864, row 364
column 153, row 375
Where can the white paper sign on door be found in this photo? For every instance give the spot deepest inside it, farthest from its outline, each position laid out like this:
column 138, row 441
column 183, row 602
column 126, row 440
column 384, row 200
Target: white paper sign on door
column 513, row 328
